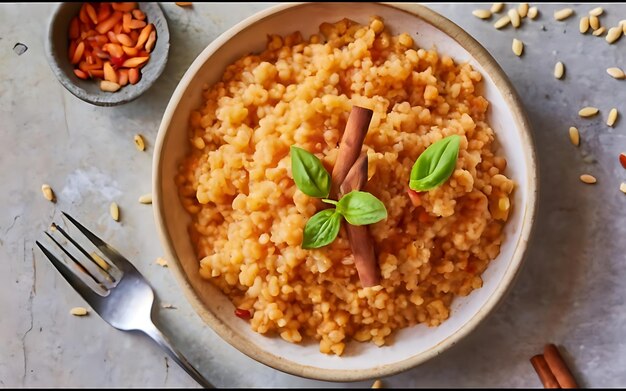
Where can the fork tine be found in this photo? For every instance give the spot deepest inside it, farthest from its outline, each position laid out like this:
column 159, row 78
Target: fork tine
column 92, row 265
column 113, row 255
column 83, row 289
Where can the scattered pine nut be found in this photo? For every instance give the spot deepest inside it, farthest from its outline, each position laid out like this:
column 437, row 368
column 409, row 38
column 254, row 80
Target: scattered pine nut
column 518, row 47
column 109, row 86
column 161, row 262
column 622, row 187
column 599, row 31
column 559, row 69
column 622, row 159
column 588, row 111
column 614, row 34
column 47, row 192
column 594, row 22
column 533, row 12
column 596, row 11
column 503, row 21
column 588, row 179
column 522, row 10
column 584, row 24
column 115, row 211
column 616, row 73
column 515, row 18
column 612, row 117
column 139, row 143
column 184, row 3
column 78, row 311
column 99, row 260
column 563, row 13
column 623, row 24
column 574, row 136
column 146, row 199
column 378, row 383
column 482, row 14
column 496, row 7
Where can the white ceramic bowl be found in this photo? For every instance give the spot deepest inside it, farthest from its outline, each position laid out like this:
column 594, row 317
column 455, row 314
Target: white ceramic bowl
column 412, row 345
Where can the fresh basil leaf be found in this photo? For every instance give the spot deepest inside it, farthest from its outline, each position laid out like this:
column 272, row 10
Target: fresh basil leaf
column 361, row 208
column 309, row 173
column 435, row 165
column 321, row 229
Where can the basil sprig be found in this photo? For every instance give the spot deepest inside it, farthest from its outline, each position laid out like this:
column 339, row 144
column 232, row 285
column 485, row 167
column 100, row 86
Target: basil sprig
column 435, row 165
column 357, row 207
column 309, row 173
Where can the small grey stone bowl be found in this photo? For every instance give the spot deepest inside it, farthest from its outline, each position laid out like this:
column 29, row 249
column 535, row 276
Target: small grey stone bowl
column 57, row 46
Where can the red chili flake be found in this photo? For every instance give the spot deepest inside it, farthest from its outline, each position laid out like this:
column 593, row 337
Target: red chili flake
column 117, row 62
column 243, row 314
column 415, row 197
column 622, row 159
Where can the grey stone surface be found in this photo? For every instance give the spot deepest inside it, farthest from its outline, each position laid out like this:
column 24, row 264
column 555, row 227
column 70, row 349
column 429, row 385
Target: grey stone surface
column 570, row 290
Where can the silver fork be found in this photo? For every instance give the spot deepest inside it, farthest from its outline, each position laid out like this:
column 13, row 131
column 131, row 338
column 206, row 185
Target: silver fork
column 114, row 289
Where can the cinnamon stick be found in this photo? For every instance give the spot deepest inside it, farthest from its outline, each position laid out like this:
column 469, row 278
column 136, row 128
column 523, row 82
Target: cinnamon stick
column 355, row 172
column 543, row 370
column 350, row 145
column 558, row 367
column 359, row 237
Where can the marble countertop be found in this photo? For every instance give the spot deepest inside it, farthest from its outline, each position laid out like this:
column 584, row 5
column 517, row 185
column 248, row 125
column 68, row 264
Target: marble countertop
column 571, row 289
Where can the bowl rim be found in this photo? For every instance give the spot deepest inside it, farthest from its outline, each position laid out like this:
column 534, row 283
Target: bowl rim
column 513, row 102
column 111, row 99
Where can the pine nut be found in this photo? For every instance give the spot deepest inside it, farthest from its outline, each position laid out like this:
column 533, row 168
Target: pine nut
column 78, row 311
column 503, row 21
column 584, row 24
column 482, row 14
column 612, row 117
column 115, row 211
column 588, row 111
column 614, row 34
column 522, row 10
column 596, row 11
column 139, row 143
column 574, row 136
column 588, row 179
column 599, row 31
column 515, row 18
column 48, row 193
column 518, row 47
column 150, row 42
column 533, row 12
column 559, row 69
column 133, row 75
column 146, row 199
column 109, row 73
column 496, row 7
column 135, row 62
column 563, row 13
column 594, row 22
column 184, row 3
column 622, row 187
column 616, row 73
column 161, row 262
column 109, row 86
column 378, row 383
column 623, row 24
column 101, row 262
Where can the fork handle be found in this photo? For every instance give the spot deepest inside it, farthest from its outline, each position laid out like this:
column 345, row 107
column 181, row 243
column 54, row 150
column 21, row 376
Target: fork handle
column 153, row 332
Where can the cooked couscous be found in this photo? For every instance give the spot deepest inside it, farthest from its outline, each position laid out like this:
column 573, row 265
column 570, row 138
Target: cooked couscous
column 248, row 215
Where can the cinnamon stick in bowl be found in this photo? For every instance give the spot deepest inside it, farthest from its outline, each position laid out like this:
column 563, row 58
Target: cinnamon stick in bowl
column 359, row 237
column 350, row 173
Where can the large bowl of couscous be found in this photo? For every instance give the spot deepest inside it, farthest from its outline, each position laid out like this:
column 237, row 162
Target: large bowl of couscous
column 231, row 219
